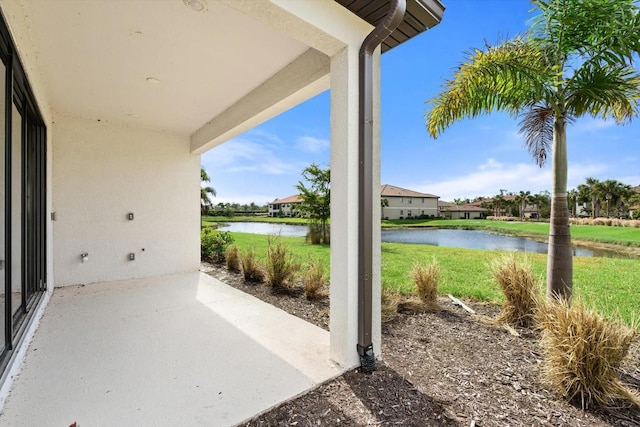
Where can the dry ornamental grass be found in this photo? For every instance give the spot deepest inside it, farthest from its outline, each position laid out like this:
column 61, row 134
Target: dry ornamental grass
column 425, row 278
column 315, row 280
column 252, row 271
column 232, row 257
column 583, row 354
column 520, row 289
column 280, row 267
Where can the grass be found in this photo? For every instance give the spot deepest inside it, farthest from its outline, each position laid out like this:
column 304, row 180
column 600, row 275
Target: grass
column 583, row 354
column 609, row 284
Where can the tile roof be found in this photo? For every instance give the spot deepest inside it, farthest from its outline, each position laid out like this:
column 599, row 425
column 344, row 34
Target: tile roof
column 291, row 199
column 393, row 191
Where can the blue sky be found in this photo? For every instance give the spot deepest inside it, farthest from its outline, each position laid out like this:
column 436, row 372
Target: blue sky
column 472, row 158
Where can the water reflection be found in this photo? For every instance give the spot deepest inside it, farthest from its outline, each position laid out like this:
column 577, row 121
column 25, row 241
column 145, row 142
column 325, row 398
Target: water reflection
column 472, row 239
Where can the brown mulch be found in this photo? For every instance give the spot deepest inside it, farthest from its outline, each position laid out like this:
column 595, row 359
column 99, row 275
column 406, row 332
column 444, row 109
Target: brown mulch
column 444, row 368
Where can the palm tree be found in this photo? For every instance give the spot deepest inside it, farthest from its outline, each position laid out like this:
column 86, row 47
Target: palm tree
column 205, row 201
column 588, row 192
column 521, row 199
column 383, row 204
column 573, row 198
column 499, row 201
column 575, row 60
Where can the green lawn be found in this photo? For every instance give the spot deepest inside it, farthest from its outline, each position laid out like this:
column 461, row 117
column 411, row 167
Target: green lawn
column 611, row 285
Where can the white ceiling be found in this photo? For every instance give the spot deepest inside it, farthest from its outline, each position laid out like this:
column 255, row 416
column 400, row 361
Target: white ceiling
column 95, row 57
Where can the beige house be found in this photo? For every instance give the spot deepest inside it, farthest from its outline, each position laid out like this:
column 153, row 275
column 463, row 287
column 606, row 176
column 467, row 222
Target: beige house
column 467, row 211
column 400, row 203
column 284, row 207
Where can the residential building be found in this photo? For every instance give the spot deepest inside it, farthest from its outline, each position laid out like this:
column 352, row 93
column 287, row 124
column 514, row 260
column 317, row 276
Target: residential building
column 466, row 211
column 400, row 203
column 285, row 207
column 106, row 109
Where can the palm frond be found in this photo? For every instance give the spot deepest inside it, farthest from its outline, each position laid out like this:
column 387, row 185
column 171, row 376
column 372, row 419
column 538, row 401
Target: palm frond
column 507, row 77
column 602, row 91
column 536, row 125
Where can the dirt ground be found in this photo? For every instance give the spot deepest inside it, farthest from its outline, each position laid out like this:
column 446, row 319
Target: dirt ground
column 446, row 368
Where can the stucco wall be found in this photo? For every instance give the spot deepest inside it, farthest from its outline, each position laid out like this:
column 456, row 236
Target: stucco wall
column 399, row 207
column 101, row 173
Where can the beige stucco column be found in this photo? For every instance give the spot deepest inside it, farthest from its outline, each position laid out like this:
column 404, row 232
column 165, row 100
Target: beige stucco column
column 344, row 207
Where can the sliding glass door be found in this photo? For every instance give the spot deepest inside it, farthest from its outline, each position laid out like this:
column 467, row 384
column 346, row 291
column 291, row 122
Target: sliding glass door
column 22, row 200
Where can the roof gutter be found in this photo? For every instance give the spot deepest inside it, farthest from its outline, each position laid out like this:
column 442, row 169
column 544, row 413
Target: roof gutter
column 365, row 180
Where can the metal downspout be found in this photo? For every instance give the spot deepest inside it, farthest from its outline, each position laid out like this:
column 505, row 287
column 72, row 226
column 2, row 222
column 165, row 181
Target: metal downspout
column 365, row 180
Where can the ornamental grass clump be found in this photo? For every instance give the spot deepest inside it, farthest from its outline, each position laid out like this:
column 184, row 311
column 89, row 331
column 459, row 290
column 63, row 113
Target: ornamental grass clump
column 583, row 353
column 425, row 278
column 520, row 288
column 315, row 279
column 280, row 268
column 232, row 257
column 252, row 271
column 389, row 305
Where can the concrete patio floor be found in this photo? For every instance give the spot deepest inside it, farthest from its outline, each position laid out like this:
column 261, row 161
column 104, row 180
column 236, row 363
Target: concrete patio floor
column 165, row 351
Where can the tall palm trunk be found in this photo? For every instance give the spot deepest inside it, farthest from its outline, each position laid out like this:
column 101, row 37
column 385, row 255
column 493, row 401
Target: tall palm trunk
column 560, row 255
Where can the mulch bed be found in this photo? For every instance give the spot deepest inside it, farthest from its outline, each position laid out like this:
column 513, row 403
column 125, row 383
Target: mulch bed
column 444, row 368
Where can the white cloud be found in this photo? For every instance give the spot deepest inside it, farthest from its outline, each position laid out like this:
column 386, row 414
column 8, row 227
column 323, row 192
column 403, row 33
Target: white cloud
column 312, row 144
column 245, row 155
column 488, row 178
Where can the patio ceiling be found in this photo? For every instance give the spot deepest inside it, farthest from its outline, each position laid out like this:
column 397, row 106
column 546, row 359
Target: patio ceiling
column 155, row 64
column 162, row 65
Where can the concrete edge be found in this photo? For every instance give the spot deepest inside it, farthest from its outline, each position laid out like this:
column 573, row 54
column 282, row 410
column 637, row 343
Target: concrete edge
column 15, row 363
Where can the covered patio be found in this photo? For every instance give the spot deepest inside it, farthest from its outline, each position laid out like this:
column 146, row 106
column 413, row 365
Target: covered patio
column 169, row 350
column 107, row 106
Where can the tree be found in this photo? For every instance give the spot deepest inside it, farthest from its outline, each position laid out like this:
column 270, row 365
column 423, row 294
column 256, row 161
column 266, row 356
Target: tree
column 499, row 202
column 521, row 199
column 205, row 191
column 588, row 193
column 384, row 203
column 575, row 60
column 573, row 195
column 316, row 200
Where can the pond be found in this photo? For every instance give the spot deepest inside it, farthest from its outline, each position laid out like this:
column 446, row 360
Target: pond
column 472, row 239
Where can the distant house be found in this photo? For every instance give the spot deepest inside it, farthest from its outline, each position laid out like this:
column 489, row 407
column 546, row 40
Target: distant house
column 284, row 207
column 506, row 207
column 467, row 211
column 400, row 203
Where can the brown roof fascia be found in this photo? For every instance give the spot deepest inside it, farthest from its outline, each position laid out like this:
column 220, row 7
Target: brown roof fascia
column 420, row 16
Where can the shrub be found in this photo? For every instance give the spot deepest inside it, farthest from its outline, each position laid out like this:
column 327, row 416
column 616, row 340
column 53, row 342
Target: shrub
column 213, row 244
column 280, row 267
column 233, row 259
column 315, row 280
column 583, row 353
column 520, row 289
column 426, row 279
column 389, row 305
column 252, row 271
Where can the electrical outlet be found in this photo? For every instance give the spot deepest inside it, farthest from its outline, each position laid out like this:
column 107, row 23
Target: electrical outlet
column 132, row 256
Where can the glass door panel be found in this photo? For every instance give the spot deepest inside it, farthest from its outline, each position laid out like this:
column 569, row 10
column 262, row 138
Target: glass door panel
column 16, row 211
column 4, row 292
